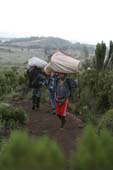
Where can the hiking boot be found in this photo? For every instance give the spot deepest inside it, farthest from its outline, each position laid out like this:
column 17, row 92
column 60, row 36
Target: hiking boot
column 63, row 121
column 37, row 108
column 33, row 107
column 53, row 111
column 61, row 128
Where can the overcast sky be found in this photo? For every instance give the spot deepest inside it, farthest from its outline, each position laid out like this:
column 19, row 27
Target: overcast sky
column 88, row 21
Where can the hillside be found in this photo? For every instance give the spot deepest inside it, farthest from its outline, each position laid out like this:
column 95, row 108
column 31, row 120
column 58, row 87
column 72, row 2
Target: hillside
column 47, row 43
column 17, row 51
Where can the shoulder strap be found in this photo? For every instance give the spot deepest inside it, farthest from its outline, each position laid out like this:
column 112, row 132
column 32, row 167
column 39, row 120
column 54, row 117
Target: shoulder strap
column 68, row 83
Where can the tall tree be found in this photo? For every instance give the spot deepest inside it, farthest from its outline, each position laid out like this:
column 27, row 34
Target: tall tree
column 109, row 59
column 100, row 54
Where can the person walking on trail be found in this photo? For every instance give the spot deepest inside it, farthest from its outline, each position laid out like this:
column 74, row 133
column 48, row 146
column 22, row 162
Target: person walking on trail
column 51, row 88
column 62, row 94
column 36, row 81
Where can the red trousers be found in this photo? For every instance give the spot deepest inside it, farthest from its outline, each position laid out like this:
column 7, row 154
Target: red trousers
column 61, row 109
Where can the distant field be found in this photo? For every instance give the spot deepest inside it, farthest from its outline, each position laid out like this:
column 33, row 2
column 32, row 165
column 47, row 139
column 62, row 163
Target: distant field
column 11, row 56
column 16, row 52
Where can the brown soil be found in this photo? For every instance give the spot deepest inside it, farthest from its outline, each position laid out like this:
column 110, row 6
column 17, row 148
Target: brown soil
column 43, row 122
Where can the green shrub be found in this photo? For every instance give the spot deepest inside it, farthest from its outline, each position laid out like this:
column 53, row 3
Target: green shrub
column 22, row 79
column 0, row 144
column 11, row 78
column 3, row 85
column 94, row 152
column 8, row 81
column 95, row 91
column 23, row 153
column 12, row 116
column 11, row 81
column 106, row 121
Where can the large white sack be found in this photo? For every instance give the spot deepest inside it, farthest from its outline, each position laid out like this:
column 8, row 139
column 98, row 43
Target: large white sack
column 34, row 61
column 64, row 63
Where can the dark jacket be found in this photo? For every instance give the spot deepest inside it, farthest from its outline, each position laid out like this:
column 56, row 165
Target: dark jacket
column 36, row 78
column 63, row 91
column 39, row 80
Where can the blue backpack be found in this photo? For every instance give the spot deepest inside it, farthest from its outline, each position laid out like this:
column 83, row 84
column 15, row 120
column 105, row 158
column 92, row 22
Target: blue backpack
column 72, row 83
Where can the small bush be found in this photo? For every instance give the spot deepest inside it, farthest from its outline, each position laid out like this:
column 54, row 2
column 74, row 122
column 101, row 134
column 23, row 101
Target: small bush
column 95, row 91
column 8, row 81
column 23, row 153
column 106, row 121
column 12, row 116
column 94, row 152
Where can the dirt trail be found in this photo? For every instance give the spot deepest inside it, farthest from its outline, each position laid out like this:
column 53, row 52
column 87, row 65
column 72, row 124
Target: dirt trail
column 43, row 122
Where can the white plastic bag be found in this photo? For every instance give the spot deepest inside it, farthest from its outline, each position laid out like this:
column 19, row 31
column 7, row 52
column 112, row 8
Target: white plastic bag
column 34, row 61
column 64, row 63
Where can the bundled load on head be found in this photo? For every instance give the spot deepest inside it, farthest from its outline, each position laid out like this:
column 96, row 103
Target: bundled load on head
column 34, row 72
column 63, row 63
column 47, row 69
column 34, row 61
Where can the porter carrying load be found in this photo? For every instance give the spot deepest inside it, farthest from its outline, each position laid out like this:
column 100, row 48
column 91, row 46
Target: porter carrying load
column 34, row 70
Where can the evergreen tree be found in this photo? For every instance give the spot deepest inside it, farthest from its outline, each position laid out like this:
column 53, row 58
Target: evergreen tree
column 100, row 53
column 109, row 60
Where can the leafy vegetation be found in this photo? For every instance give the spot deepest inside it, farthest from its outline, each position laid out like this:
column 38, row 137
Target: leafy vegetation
column 11, row 81
column 95, row 92
column 106, row 122
column 23, row 153
column 94, row 152
column 11, row 117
